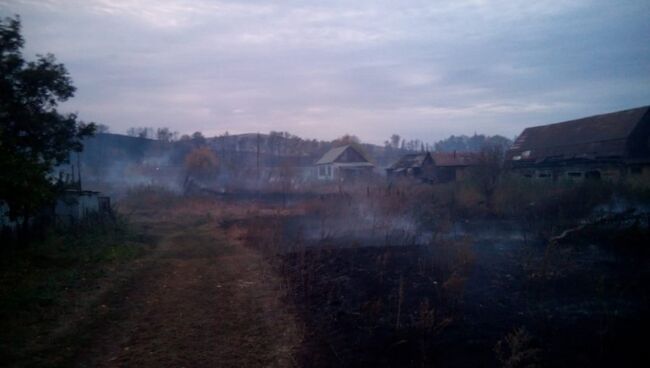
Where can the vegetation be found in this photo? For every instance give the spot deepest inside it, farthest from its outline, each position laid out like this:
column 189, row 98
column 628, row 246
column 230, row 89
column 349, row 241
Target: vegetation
column 51, row 291
column 34, row 136
column 201, row 163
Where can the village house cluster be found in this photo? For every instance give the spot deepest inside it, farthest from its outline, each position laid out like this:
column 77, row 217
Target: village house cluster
column 611, row 146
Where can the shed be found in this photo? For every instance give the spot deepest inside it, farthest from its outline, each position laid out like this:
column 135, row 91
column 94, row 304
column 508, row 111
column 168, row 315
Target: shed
column 73, row 205
column 452, row 166
column 415, row 165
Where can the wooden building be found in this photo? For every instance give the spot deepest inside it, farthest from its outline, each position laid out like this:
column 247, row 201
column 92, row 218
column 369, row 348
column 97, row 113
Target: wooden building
column 437, row 167
column 453, row 166
column 414, row 165
column 344, row 163
column 609, row 146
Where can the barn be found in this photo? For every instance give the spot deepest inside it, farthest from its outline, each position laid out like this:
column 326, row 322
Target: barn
column 608, row 146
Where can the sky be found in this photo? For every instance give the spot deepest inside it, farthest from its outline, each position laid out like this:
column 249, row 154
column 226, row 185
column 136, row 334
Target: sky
column 321, row 69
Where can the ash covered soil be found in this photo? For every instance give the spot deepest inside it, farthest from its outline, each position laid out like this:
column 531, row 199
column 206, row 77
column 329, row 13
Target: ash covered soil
column 485, row 301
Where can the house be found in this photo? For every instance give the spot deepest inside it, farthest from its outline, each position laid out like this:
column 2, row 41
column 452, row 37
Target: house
column 343, row 163
column 414, row 165
column 453, row 166
column 437, row 167
column 609, row 146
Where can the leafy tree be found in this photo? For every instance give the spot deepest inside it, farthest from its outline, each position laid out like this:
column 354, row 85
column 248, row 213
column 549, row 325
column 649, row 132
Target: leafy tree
column 34, row 136
column 345, row 140
column 201, row 163
column 198, row 139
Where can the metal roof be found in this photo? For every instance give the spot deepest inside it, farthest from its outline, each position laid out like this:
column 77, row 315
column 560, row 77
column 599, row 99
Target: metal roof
column 595, row 136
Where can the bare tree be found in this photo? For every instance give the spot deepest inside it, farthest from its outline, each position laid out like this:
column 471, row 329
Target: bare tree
column 487, row 173
column 165, row 135
column 140, row 132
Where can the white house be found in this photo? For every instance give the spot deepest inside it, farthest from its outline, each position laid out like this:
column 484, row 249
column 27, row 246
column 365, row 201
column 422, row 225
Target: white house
column 345, row 162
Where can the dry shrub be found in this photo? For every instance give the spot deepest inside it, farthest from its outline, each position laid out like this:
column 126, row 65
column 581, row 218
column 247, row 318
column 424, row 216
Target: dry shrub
column 429, row 320
column 265, row 233
column 517, row 350
column 547, row 208
column 150, row 197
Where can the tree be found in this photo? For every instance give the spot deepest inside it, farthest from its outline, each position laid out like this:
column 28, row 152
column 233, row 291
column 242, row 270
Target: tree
column 487, row 173
column 34, row 136
column 201, row 163
column 166, row 135
column 102, row 128
column 198, row 139
column 140, row 132
column 394, row 140
column 345, row 140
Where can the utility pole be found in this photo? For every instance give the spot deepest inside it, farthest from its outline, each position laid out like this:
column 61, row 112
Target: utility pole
column 258, row 157
column 79, row 169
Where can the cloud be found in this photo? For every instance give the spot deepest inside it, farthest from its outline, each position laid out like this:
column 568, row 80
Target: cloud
column 421, row 69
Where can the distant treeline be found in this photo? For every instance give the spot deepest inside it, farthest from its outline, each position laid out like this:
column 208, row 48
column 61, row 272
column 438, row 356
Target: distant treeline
column 272, row 149
column 475, row 143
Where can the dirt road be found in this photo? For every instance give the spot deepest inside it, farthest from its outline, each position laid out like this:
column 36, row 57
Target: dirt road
column 200, row 299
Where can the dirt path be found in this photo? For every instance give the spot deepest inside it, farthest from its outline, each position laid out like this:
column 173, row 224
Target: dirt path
column 200, row 300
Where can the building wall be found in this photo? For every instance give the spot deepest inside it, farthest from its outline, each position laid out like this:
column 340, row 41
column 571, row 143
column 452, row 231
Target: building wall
column 74, row 206
column 598, row 171
column 337, row 171
column 325, row 172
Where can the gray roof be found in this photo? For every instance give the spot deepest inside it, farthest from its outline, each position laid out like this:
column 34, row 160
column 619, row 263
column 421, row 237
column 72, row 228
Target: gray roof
column 333, row 154
column 411, row 160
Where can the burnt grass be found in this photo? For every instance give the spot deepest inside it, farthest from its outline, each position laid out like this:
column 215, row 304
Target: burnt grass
column 449, row 304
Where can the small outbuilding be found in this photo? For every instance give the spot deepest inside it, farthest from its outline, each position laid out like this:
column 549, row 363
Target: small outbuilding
column 453, row 166
column 343, row 163
column 73, row 205
column 437, row 167
column 413, row 165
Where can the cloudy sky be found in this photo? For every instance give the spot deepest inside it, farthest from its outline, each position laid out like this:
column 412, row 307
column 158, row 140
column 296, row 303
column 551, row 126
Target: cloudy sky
column 319, row 69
